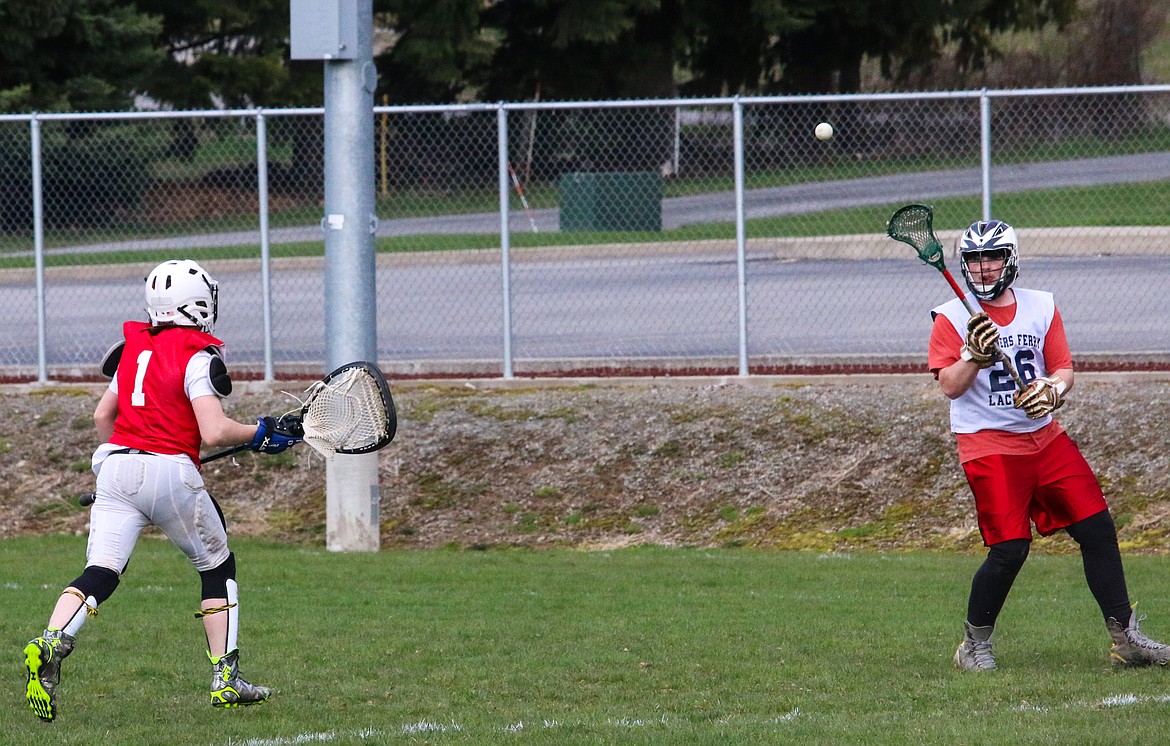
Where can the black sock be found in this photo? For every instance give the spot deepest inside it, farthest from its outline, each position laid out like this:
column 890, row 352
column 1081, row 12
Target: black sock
column 1101, row 558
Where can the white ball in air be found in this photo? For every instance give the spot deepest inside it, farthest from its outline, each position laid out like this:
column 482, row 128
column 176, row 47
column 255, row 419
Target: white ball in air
column 824, row 131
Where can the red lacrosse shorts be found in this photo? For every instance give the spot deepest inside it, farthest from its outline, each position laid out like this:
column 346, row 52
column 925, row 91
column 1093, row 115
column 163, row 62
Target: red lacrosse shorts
column 1053, row 489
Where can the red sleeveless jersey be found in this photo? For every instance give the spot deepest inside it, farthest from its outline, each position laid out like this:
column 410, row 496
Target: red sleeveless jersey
column 154, row 413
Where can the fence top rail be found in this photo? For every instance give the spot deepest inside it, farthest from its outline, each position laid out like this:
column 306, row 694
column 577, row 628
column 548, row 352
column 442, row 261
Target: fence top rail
column 725, row 101
column 90, row 116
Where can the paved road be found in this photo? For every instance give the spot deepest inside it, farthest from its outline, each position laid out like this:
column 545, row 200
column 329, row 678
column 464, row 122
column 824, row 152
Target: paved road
column 661, row 307
column 674, row 306
column 720, row 207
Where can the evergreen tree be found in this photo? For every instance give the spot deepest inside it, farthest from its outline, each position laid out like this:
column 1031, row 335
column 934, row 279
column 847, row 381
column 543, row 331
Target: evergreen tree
column 231, row 53
column 74, row 55
column 434, row 50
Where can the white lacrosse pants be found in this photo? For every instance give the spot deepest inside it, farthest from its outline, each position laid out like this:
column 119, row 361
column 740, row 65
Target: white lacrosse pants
column 136, row 490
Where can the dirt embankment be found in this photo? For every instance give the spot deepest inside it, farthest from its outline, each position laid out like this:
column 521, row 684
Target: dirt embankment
column 832, row 464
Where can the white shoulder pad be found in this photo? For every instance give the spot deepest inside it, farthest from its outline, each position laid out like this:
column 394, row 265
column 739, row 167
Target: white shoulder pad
column 111, row 359
column 217, row 374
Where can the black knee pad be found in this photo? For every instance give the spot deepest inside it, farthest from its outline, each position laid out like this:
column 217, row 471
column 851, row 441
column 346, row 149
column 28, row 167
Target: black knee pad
column 215, row 580
column 99, row 582
column 1007, row 557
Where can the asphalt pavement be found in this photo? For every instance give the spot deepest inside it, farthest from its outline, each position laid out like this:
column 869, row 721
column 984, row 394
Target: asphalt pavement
column 719, row 207
column 643, row 304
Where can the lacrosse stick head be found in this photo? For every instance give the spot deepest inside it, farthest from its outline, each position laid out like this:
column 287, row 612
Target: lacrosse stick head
column 914, row 225
column 349, row 411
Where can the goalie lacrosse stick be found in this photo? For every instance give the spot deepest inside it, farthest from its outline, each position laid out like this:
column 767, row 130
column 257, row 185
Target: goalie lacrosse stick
column 348, row 411
column 914, row 225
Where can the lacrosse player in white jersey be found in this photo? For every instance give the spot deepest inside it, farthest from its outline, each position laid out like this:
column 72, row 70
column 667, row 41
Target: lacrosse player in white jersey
column 1022, row 467
column 162, row 405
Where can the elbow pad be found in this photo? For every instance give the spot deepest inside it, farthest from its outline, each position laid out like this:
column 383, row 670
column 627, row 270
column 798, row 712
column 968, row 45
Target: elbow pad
column 110, row 360
column 217, row 374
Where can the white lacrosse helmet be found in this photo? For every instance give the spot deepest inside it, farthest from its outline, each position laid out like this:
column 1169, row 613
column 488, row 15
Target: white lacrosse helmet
column 182, row 293
column 997, row 239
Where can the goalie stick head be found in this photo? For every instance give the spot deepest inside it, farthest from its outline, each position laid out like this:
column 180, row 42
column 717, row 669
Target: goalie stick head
column 914, row 225
column 349, row 411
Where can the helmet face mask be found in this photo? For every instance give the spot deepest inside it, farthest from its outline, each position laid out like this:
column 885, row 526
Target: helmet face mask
column 180, row 292
column 988, row 241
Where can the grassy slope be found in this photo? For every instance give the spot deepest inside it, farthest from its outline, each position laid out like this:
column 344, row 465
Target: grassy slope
column 833, row 464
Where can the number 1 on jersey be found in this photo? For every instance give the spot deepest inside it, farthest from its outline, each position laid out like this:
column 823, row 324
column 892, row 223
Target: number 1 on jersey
column 138, row 397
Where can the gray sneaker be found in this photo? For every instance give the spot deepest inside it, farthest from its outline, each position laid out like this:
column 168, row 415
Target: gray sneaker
column 974, row 653
column 1131, row 647
column 42, row 660
column 228, row 688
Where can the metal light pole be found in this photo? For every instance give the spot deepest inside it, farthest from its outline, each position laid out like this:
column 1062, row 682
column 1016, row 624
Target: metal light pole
column 340, row 32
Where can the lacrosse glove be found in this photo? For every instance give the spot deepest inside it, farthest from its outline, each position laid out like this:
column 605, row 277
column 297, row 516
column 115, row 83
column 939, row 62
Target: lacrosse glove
column 1043, row 396
column 291, row 424
column 982, row 336
column 275, row 436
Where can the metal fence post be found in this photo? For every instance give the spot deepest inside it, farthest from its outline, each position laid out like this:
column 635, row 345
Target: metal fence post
column 677, row 150
column 740, row 234
column 985, row 149
column 39, row 250
column 265, row 255
column 505, row 236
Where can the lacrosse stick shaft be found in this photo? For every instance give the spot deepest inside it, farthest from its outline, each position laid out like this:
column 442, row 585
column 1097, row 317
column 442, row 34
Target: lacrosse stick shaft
column 914, row 225
column 1011, row 369
column 959, row 292
column 224, row 453
column 1000, row 354
column 88, row 498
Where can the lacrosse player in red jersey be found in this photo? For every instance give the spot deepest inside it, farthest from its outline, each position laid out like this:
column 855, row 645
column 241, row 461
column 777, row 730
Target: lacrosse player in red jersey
column 162, row 405
column 1021, row 465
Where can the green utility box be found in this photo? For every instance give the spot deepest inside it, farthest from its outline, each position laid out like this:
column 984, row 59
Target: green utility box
column 611, row 201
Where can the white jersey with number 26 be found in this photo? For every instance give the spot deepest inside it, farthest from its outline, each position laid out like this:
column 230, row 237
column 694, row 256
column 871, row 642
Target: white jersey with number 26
column 989, row 403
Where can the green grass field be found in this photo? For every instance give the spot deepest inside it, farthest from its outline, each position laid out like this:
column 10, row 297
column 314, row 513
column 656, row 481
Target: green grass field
column 638, row 646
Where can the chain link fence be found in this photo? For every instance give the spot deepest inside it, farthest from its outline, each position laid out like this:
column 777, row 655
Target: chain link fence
column 667, row 236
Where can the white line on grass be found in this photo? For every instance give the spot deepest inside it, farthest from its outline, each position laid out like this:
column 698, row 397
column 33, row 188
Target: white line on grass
column 788, row 716
column 364, row 734
column 426, row 726
column 1124, row 700
column 289, row 741
column 635, row 722
column 429, row 727
column 1116, row 700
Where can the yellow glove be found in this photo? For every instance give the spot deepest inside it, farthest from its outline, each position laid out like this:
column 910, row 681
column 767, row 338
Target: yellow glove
column 982, row 336
column 1043, row 396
